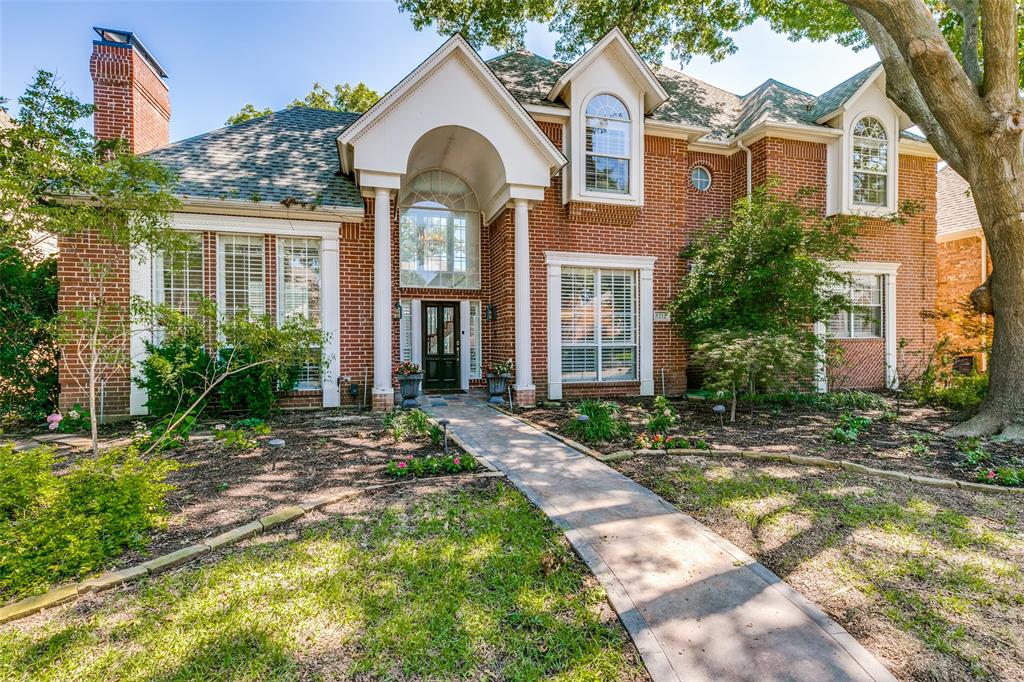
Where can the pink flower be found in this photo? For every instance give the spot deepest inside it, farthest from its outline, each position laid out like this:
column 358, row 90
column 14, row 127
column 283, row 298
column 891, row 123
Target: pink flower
column 402, row 465
column 54, row 421
column 991, row 474
column 457, row 460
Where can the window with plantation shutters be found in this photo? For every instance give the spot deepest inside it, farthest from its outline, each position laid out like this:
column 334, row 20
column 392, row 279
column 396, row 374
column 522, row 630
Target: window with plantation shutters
column 241, row 276
column 179, row 276
column 864, row 320
column 298, row 267
column 599, row 324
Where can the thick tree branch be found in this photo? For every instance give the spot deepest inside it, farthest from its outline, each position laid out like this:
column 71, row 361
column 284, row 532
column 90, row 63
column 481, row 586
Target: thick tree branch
column 968, row 13
column 939, row 77
column 902, row 89
column 1000, row 85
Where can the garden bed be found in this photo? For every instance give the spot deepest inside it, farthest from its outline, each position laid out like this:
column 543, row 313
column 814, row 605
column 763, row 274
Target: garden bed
column 930, row 580
column 434, row 580
column 910, row 441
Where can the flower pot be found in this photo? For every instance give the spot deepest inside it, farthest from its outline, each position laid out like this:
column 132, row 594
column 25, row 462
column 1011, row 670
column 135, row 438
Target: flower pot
column 496, row 385
column 409, row 385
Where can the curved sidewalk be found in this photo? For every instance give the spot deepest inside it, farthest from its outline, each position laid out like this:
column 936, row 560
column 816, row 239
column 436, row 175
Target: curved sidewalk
column 697, row 607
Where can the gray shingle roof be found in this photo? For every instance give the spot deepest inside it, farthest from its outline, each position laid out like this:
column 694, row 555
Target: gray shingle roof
column 832, row 99
column 955, row 209
column 288, row 154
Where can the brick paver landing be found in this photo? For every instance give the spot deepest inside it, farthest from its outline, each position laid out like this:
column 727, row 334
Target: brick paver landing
column 697, row 607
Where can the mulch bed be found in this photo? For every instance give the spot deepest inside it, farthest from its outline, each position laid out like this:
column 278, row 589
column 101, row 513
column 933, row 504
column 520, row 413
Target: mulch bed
column 913, row 442
column 216, row 488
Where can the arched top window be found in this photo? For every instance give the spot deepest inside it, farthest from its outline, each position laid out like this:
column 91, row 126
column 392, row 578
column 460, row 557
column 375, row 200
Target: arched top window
column 608, row 143
column 439, row 232
column 870, row 163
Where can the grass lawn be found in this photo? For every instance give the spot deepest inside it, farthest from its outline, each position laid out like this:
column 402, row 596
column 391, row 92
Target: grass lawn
column 432, row 581
column 931, row 580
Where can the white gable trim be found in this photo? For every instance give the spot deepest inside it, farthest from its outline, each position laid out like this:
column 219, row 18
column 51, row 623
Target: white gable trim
column 655, row 92
column 455, row 44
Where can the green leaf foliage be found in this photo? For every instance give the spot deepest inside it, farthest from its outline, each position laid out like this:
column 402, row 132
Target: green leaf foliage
column 601, row 422
column 53, row 528
column 342, row 97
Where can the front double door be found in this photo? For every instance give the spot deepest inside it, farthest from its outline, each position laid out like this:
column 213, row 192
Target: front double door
column 441, row 334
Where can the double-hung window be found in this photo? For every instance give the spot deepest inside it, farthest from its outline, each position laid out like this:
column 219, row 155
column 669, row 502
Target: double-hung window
column 870, row 163
column 241, row 275
column 864, row 319
column 298, row 267
column 179, row 276
column 608, row 135
column 599, row 324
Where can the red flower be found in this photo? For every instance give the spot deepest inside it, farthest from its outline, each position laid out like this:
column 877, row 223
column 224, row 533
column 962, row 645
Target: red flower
column 402, row 465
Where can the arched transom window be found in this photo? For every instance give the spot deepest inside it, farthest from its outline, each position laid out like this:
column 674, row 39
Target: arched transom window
column 607, row 145
column 439, row 235
column 870, row 163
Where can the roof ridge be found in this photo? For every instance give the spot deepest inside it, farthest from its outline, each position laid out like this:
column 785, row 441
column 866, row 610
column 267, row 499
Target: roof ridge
column 680, row 72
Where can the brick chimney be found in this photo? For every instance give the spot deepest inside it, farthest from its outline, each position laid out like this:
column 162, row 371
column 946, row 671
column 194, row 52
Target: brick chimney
column 129, row 92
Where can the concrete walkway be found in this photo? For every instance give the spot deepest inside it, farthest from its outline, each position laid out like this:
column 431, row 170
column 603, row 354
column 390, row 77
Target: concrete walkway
column 697, row 607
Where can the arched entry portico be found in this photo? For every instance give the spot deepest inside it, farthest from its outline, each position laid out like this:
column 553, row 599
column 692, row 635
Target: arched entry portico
column 466, row 123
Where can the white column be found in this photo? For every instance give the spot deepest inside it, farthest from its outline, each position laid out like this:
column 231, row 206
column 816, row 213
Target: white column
column 554, row 332
column 464, row 345
column 892, row 380
column 820, row 371
column 647, row 331
column 140, row 282
column 382, row 293
column 524, row 351
column 330, row 301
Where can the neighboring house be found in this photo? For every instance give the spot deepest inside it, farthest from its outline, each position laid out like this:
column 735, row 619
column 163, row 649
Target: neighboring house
column 516, row 208
column 962, row 266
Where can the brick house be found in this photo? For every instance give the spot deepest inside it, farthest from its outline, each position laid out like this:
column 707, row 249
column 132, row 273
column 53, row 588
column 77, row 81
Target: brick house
column 962, row 264
column 514, row 208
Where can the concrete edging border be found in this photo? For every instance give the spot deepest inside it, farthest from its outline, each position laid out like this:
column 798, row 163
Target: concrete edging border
column 110, row 579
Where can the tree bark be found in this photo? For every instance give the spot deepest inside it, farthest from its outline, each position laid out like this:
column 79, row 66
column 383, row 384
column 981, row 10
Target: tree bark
column 995, row 174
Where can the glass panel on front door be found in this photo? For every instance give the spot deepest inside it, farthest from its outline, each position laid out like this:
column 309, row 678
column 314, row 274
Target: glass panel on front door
column 441, row 334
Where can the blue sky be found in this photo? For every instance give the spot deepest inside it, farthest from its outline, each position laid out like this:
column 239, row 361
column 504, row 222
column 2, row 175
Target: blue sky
column 221, row 55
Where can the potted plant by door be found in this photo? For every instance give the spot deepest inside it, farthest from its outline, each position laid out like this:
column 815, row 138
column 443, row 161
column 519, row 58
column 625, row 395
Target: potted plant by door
column 497, row 381
column 410, row 376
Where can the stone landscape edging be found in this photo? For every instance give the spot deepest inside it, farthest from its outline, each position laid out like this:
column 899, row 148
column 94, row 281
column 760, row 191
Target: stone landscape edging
column 70, row 591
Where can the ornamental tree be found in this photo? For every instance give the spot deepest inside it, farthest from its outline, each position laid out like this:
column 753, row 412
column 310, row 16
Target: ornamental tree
column 953, row 66
column 343, row 97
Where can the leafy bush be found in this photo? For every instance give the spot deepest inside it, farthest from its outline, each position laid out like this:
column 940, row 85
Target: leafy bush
column 28, row 354
column 412, row 423
column 53, row 528
column 663, row 417
column 425, row 466
column 833, row 400
column 973, row 451
column 849, row 428
column 1012, row 476
column 75, row 420
column 172, row 431
column 601, row 422
column 645, row 441
column 959, row 393
column 174, row 372
column 243, row 435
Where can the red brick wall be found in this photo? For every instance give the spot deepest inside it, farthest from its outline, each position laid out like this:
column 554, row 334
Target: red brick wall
column 958, row 274
column 131, row 100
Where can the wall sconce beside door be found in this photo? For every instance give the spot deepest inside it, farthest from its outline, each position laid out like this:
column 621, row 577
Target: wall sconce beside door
column 491, row 313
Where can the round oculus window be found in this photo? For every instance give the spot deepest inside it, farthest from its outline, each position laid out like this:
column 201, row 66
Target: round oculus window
column 700, row 178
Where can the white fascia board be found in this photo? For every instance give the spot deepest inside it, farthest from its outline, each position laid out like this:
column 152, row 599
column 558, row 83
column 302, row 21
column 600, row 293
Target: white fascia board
column 867, row 267
column 551, row 114
column 655, row 93
column 916, row 148
column 270, row 209
column 676, row 130
column 199, row 222
column 599, row 260
column 788, row 131
column 959, row 234
column 456, row 43
column 854, row 97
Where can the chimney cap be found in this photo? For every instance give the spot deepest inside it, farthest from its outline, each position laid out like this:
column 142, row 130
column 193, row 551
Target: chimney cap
column 113, row 36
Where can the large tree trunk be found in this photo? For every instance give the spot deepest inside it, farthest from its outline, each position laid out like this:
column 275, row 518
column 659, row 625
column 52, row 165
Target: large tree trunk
column 996, row 176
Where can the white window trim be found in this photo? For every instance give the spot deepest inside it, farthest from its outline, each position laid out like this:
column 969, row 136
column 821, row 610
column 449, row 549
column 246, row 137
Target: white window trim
column 636, row 149
column 892, row 182
column 889, row 271
column 711, row 178
column 279, row 291
column 644, row 265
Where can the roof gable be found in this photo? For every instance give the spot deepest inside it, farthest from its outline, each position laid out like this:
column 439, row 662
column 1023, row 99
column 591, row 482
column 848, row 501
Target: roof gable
column 832, row 100
column 654, row 92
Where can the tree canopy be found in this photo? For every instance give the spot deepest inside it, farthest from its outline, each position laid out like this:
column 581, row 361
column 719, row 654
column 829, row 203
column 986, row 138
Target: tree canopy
column 342, row 97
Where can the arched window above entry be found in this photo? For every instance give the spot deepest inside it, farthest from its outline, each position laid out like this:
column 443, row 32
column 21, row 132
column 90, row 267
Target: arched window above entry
column 608, row 147
column 439, row 232
column 870, row 159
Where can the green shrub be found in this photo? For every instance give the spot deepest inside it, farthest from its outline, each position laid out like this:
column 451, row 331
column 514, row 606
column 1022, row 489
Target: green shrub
column 830, row 401
column 174, row 373
column 962, row 393
column 602, row 423
column 849, row 428
column 243, row 435
column 663, row 416
column 61, row 527
column 176, row 427
column 1011, row 476
column 973, row 451
column 411, row 423
column 75, row 420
